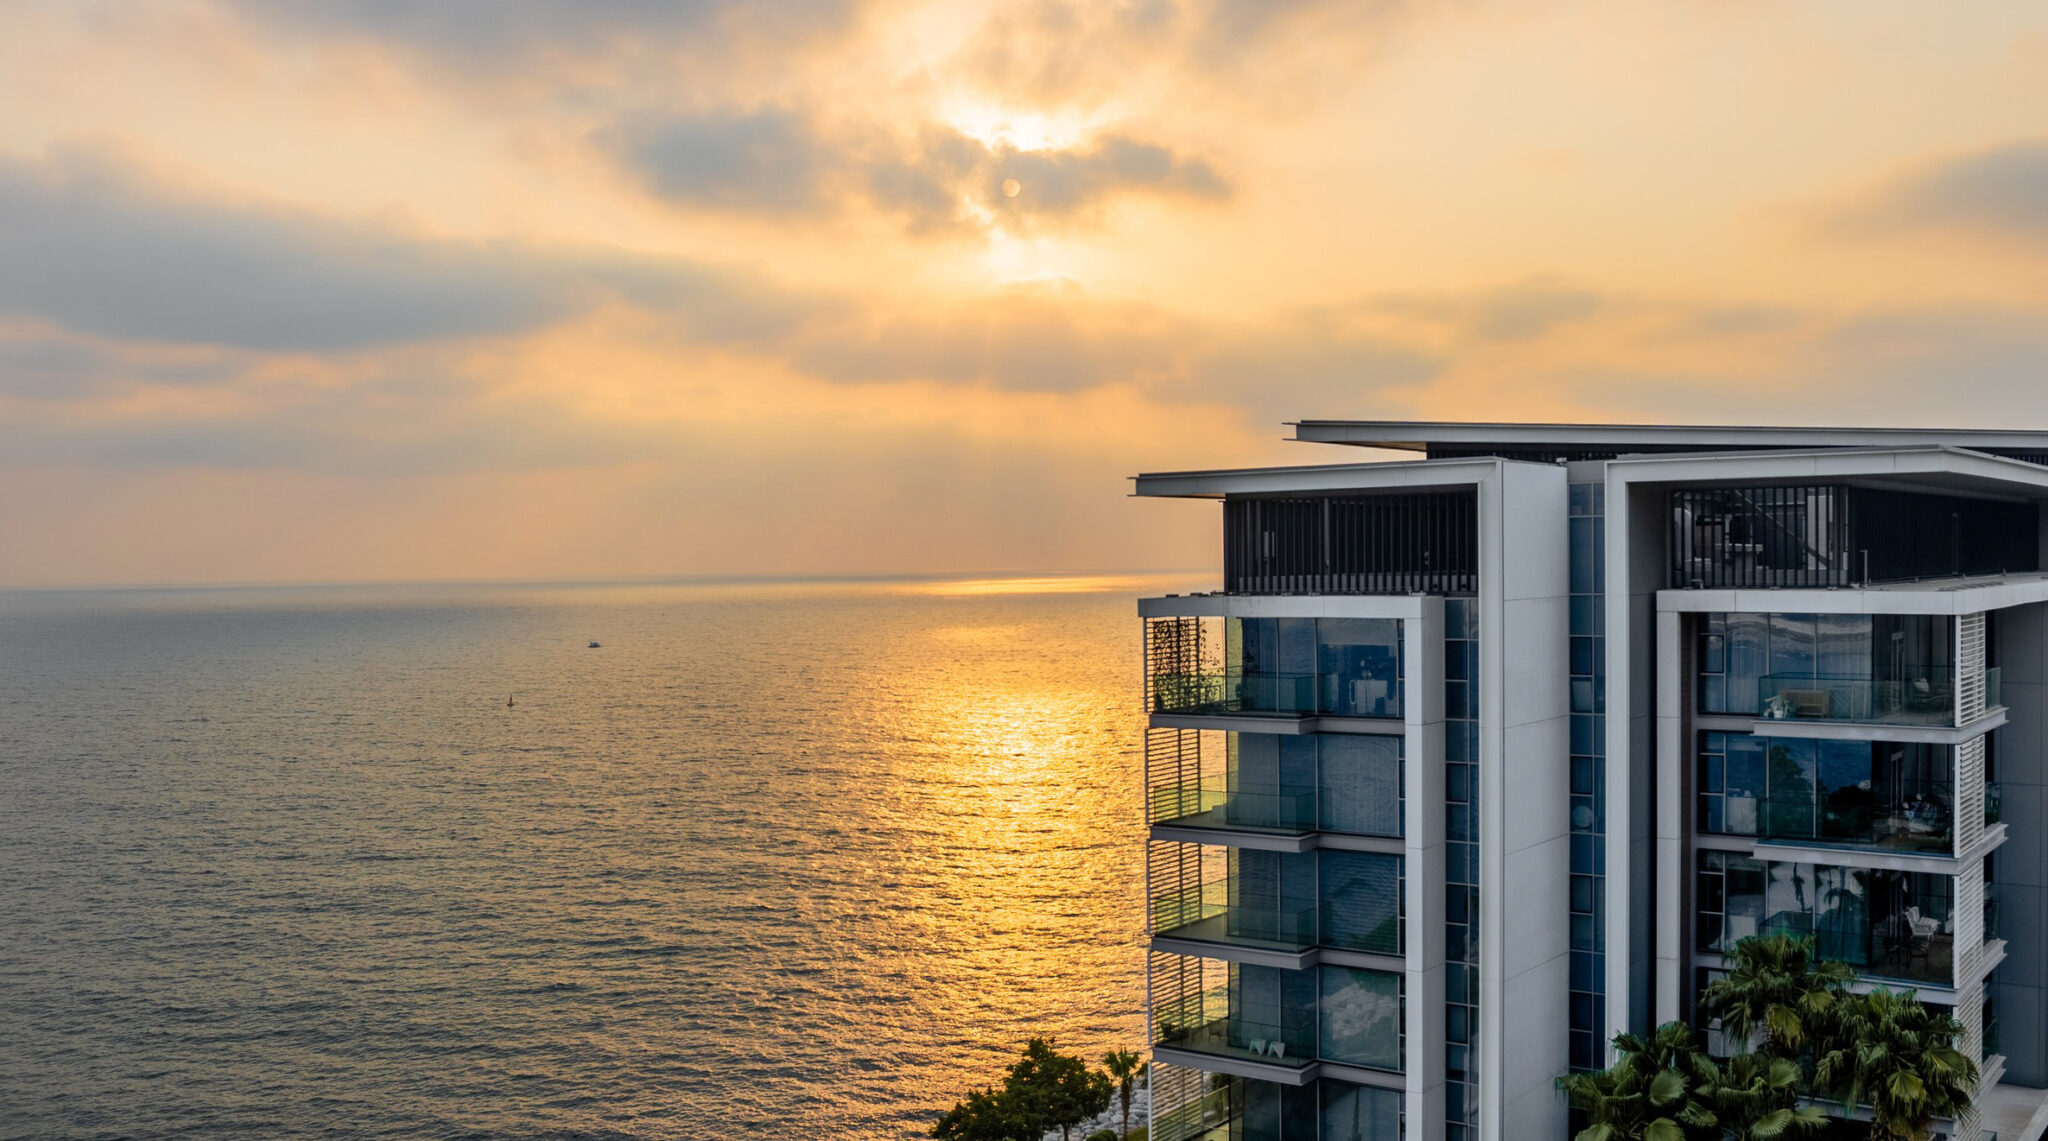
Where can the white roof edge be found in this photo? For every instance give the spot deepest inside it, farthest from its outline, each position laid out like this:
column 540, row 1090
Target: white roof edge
column 1394, row 475
column 1415, row 434
column 1836, row 462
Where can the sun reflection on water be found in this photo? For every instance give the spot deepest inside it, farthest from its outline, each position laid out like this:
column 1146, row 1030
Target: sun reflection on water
column 794, row 859
column 1045, row 584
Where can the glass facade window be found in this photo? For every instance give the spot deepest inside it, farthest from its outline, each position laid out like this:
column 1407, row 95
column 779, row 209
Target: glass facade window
column 1360, row 901
column 1345, row 667
column 1867, row 794
column 1359, row 1113
column 1361, row 1018
column 1888, row 924
column 1237, row 1010
column 1884, row 668
column 1243, row 1010
column 1245, row 1109
column 1270, row 783
column 1338, row 667
column 1290, row 783
column 1588, row 663
column 1291, row 901
column 1461, row 867
column 1273, row 1112
column 1359, row 782
column 1272, row 897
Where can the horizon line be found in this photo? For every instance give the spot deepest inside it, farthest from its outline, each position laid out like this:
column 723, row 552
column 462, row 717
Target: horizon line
column 733, row 578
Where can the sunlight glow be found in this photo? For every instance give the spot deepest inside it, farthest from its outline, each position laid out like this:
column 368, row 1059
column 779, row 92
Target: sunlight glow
column 1060, row 584
column 1019, row 130
column 1013, row 260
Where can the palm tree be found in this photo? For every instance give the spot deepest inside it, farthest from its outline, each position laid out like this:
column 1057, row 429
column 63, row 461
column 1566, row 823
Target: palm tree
column 1659, row 1090
column 1776, row 997
column 1126, row 1068
column 1892, row 1053
column 1758, row 1099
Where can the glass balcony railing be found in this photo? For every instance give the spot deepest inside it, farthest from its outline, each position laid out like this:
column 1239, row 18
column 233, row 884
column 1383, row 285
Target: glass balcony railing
column 1904, row 945
column 1993, row 803
column 1281, row 694
column 1991, row 934
column 1194, row 806
column 1234, row 693
column 1918, row 825
column 1235, row 1037
column 1205, row 913
column 1924, row 696
column 1994, row 687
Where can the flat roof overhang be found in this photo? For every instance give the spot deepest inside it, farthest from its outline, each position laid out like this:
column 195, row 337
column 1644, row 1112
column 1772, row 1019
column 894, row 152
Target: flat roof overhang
column 1924, row 468
column 1398, row 475
column 1420, row 435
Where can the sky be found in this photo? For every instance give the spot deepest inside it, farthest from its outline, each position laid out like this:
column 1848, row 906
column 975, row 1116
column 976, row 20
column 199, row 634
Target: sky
column 482, row 289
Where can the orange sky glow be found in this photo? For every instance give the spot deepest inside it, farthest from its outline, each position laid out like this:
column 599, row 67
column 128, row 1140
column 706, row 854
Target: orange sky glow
column 371, row 290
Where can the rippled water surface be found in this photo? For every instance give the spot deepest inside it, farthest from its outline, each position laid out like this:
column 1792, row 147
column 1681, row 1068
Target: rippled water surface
column 774, row 861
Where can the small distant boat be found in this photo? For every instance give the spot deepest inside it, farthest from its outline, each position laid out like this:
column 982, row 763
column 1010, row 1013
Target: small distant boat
column 596, row 645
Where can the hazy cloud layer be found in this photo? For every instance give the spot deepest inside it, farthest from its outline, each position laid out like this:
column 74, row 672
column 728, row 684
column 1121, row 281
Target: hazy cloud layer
column 778, row 161
column 88, row 243
column 519, row 34
column 2001, row 192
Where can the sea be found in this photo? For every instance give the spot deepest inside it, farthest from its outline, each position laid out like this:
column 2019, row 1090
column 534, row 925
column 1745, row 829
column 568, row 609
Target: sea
column 669, row 860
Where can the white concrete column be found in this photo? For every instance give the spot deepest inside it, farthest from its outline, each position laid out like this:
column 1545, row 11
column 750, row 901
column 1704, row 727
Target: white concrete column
column 1422, row 759
column 1524, row 803
column 1671, row 817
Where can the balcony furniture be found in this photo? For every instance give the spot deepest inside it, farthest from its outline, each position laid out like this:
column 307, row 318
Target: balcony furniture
column 1367, row 693
column 1921, row 696
column 1806, row 702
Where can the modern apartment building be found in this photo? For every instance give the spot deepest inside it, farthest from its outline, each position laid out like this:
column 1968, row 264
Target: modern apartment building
column 1479, row 758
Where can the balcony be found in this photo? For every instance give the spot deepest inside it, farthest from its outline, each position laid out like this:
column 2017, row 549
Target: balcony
column 1833, row 535
column 1212, row 693
column 1205, row 914
column 1277, row 694
column 1352, row 901
column 1904, row 945
column 1887, row 924
column 1922, row 823
column 1232, row 1036
column 1924, row 696
column 1196, row 806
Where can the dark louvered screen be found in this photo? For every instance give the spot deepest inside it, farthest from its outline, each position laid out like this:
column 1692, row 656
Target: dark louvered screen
column 1352, row 544
column 1821, row 535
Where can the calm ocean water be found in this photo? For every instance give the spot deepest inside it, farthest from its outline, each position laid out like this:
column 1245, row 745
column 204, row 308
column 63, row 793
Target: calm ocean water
column 775, row 861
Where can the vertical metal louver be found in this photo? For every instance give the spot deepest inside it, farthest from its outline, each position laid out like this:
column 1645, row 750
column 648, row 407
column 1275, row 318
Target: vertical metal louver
column 1351, row 544
column 1797, row 536
column 1969, row 668
column 1969, row 811
column 1173, row 884
column 1969, row 924
column 1174, row 776
column 1180, row 1097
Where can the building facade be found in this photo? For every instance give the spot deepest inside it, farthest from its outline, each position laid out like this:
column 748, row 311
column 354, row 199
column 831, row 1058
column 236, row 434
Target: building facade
column 1477, row 759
